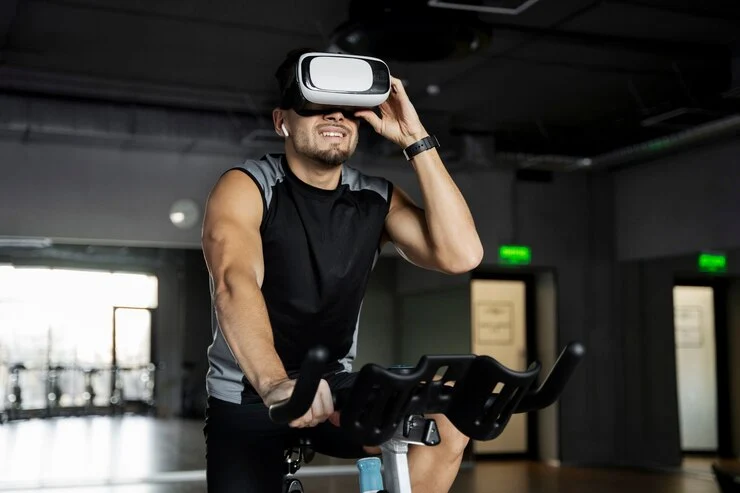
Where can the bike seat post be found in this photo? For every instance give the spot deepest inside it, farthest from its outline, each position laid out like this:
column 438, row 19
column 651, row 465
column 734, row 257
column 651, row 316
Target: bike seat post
column 396, row 475
column 416, row 430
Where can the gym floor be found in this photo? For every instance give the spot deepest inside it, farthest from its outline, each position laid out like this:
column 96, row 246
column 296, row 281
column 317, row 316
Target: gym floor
column 137, row 454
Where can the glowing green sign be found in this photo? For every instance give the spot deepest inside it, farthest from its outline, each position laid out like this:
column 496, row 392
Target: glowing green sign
column 514, row 254
column 712, row 262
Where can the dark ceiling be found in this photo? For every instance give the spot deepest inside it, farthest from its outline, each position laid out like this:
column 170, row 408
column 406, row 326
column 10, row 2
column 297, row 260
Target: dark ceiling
column 563, row 77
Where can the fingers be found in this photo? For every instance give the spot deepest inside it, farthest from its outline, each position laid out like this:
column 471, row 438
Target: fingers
column 323, row 396
column 370, row 117
column 321, row 408
column 397, row 86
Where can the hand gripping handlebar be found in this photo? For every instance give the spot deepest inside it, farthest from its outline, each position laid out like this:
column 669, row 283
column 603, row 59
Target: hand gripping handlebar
column 477, row 393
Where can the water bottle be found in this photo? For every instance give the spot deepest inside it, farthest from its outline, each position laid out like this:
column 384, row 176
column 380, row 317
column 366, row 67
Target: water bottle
column 371, row 480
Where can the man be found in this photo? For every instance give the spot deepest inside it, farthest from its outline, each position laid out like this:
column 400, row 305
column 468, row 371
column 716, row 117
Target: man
column 290, row 241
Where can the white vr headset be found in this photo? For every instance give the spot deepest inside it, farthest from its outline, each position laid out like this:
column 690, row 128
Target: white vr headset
column 338, row 80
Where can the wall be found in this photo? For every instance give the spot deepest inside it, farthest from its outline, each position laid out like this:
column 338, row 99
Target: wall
column 649, row 406
column 679, row 204
column 734, row 360
column 547, row 348
column 567, row 222
column 123, row 196
column 107, row 195
column 97, row 195
column 649, row 409
column 665, row 210
column 434, row 322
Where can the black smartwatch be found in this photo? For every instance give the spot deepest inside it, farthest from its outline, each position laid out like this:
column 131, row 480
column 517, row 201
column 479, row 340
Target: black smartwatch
column 420, row 146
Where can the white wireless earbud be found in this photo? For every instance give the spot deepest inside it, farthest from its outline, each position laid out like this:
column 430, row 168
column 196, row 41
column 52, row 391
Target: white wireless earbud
column 285, row 130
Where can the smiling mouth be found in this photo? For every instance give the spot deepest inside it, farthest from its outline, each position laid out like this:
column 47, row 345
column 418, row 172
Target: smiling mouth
column 333, row 138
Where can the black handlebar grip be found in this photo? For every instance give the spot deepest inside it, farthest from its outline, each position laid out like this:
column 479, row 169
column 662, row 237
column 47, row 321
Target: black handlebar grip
column 307, row 383
column 555, row 382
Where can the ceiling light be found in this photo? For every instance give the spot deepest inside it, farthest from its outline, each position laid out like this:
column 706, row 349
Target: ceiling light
column 184, row 213
column 19, row 242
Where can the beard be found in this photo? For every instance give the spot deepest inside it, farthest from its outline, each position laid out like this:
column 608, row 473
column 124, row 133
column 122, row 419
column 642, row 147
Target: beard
column 331, row 157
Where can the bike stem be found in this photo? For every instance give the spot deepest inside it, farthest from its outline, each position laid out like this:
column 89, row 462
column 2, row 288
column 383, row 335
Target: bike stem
column 414, row 430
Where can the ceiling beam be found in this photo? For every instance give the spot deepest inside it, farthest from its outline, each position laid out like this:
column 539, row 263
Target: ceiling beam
column 36, row 82
column 669, row 48
column 688, row 12
column 137, row 13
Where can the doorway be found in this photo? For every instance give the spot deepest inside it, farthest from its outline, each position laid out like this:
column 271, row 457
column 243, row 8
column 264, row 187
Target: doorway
column 503, row 310
column 696, row 367
column 703, row 358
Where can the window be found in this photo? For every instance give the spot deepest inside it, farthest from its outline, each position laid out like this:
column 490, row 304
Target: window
column 64, row 318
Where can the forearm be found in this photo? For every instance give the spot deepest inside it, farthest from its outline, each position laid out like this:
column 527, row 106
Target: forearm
column 242, row 316
column 450, row 224
column 443, row 235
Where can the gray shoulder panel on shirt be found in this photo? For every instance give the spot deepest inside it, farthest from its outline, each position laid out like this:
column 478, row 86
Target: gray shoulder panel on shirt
column 356, row 180
column 267, row 172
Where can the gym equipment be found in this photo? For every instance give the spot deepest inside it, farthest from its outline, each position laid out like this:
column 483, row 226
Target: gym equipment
column 54, row 390
column 88, row 396
column 387, row 407
column 15, row 396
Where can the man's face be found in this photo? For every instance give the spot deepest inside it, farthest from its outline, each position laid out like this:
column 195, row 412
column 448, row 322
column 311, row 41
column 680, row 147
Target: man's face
column 324, row 133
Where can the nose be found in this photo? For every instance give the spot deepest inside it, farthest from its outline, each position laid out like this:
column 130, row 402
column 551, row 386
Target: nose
column 336, row 115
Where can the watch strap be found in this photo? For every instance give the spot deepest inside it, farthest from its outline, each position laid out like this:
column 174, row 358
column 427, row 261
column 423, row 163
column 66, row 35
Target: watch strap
column 428, row 142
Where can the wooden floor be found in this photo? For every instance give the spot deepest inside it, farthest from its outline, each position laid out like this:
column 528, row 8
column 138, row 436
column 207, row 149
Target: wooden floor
column 145, row 455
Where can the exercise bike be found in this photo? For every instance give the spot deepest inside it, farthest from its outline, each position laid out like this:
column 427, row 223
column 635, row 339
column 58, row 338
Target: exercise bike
column 386, row 407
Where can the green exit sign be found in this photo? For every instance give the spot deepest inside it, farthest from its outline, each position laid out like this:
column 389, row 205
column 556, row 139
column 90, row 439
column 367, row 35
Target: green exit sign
column 712, row 262
column 514, row 255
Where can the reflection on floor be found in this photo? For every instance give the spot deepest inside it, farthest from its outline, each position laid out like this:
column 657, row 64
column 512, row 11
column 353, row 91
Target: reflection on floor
column 137, row 454
column 697, row 464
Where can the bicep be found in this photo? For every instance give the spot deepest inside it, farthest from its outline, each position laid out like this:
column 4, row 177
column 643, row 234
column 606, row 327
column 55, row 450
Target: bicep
column 406, row 228
column 231, row 239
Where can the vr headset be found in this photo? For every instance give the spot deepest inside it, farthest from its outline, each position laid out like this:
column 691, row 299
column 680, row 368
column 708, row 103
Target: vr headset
column 332, row 79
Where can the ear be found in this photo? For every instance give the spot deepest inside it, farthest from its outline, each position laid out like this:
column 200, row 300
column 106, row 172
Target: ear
column 278, row 120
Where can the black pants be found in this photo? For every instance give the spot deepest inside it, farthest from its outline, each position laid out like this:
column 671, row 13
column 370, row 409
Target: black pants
column 245, row 449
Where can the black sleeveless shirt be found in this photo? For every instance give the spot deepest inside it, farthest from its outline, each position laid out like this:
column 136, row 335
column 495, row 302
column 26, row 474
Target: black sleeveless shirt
column 319, row 248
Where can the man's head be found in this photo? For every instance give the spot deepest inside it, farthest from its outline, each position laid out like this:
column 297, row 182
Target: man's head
column 327, row 134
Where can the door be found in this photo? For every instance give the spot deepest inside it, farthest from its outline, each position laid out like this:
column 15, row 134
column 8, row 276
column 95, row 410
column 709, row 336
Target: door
column 696, row 367
column 498, row 321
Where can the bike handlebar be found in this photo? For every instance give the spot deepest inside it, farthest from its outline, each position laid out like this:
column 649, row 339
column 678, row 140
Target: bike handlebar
column 555, row 382
column 380, row 397
column 312, row 370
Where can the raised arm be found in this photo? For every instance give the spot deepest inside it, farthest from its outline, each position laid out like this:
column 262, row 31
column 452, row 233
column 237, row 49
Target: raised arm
column 442, row 235
column 232, row 247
